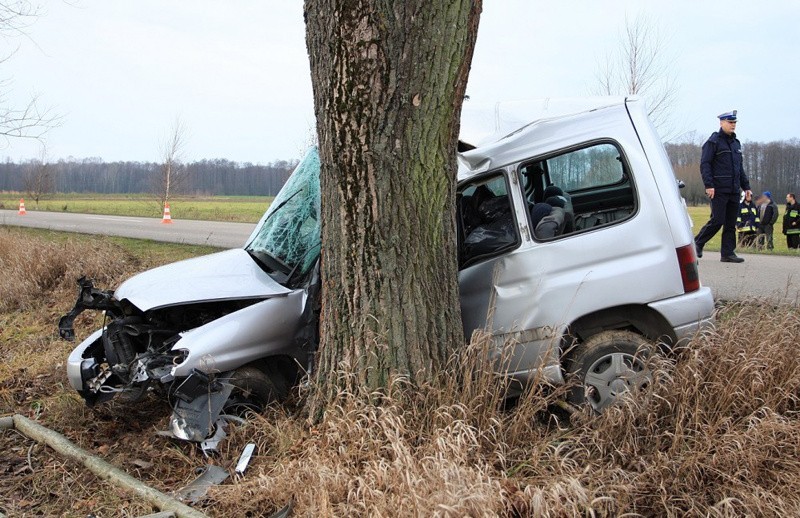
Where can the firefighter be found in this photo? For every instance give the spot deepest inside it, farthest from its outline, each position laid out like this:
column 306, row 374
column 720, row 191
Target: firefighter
column 748, row 220
column 791, row 222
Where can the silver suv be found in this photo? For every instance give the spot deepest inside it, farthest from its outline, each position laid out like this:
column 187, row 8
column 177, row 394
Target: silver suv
column 575, row 248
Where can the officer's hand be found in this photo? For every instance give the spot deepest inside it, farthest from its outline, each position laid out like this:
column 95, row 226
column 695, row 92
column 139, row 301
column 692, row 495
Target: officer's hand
column 710, row 192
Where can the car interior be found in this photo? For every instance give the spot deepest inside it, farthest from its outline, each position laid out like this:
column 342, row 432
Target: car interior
column 568, row 193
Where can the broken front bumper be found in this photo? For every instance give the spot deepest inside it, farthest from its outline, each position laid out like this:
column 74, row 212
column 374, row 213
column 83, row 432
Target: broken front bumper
column 83, row 370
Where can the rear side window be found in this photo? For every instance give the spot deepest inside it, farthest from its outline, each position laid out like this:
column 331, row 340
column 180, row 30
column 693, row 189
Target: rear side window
column 577, row 190
column 587, row 168
column 486, row 225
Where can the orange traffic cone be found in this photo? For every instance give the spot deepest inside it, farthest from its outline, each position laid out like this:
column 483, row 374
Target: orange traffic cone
column 167, row 218
column 22, row 207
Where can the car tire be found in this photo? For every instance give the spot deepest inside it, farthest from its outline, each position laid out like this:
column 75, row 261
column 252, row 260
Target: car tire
column 253, row 390
column 606, row 366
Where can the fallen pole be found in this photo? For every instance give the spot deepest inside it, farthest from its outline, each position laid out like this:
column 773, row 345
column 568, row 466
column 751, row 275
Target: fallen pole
column 98, row 466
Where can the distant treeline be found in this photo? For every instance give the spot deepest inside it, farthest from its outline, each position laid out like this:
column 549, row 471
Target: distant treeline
column 771, row 166
column 206, row 177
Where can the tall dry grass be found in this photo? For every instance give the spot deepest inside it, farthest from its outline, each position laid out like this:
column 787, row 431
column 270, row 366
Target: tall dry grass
column 718, row 435
column 35, row 270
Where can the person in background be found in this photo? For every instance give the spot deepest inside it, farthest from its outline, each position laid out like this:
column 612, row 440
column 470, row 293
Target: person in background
column 768, row 214
column 748, row 221
column 791, row 222
column 721, row 167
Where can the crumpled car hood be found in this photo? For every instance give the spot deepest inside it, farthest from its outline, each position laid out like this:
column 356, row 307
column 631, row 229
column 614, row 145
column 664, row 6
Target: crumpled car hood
column 227, row 275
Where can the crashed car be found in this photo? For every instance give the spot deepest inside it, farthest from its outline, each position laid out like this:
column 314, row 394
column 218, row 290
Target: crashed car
column 575, row 252
column 222, row 333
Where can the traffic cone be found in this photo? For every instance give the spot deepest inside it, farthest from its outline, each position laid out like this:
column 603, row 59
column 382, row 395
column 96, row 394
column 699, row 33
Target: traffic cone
column 167, row 218
column 22, row 207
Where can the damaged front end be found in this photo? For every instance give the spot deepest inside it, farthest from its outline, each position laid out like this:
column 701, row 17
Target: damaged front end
column 218, row 334
column 134, row 348
column 121, row 357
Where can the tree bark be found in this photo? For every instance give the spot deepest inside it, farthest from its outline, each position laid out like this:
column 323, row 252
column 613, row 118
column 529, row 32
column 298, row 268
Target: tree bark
column 389, row 79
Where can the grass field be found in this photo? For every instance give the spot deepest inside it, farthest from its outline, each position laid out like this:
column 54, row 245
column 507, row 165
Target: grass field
column 249, row 209
column 244, row 209
column 716, row 435
column 700, row 216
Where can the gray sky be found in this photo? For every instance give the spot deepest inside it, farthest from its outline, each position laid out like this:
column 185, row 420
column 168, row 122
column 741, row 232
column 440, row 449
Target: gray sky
column 236, row 72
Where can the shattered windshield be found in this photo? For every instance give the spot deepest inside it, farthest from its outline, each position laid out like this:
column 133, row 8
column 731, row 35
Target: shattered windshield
column 288, row 234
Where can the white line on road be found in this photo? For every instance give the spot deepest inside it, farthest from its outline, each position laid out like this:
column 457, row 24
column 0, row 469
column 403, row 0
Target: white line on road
column 114, row 219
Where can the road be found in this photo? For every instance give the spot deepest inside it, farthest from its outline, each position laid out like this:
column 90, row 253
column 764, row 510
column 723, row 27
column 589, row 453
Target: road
column 766, row 277
column 213, row 233
column 775, row 278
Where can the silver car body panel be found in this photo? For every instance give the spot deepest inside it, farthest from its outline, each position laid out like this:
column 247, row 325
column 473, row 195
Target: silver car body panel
column 688, row 314
column 545, row 286
column 263, row 329
column 227, row 275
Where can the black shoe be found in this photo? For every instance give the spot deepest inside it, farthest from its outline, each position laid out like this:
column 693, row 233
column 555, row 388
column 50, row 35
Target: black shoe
column 732, row 259
column 699, row 251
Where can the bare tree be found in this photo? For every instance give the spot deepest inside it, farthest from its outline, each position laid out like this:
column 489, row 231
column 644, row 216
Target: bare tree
column 389, row 81
column 641, row 65
column 31, row 120
column 172, row 175
column 39, row 178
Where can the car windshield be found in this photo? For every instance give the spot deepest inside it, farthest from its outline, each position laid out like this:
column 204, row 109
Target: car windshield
column 287, row 239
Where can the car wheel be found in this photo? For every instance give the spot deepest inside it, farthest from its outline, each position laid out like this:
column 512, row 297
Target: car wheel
column 253, row 390
column 608, row 365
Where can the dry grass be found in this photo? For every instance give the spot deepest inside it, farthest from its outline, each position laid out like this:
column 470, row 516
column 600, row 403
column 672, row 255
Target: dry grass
column 33, row 269
column 719, row 435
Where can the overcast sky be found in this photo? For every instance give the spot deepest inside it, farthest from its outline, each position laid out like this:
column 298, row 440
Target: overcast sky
column 120, row 72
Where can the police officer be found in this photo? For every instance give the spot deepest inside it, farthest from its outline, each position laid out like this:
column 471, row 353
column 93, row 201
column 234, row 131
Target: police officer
column 723, row 177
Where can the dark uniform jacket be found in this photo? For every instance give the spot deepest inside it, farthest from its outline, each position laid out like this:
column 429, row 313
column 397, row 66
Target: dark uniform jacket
column 721, row 164
column 748, row 219
column 791, row 219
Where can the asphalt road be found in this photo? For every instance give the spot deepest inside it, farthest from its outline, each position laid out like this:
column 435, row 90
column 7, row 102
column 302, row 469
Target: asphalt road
column 766, row 277
column 774, row 278
column 212, row 233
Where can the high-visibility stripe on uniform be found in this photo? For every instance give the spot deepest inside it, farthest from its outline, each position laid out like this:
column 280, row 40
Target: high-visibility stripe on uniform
column 745, row 214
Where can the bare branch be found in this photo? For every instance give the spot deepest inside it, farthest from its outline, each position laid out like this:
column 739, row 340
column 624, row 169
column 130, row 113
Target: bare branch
column 16, row 16
column 173, row 172
column 641, row 66
column 39, row 178
column 31, row 121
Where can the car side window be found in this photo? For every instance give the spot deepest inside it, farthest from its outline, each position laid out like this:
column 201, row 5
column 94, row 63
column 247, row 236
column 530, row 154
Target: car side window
column 587, row 168
column 486, row 225
column 577, row 190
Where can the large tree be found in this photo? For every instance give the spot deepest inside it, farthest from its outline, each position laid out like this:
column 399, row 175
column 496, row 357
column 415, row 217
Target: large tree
column 389, row 78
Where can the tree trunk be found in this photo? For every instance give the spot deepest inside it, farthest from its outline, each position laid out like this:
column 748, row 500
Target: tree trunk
column 389, row 80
